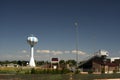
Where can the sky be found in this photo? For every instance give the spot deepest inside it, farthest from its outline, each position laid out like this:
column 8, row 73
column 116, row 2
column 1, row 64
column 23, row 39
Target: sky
column 52, row 22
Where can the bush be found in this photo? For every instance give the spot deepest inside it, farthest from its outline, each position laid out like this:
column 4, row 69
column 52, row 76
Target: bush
column 33, row 71
column 48, row 71
column 64, row 71
column 77, row 72
column 90, row 71
column 114, row 71
column 103, row 71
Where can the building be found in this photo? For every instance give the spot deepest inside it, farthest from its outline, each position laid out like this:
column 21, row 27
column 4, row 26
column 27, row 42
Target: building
column 99, row 63
column 54, row 63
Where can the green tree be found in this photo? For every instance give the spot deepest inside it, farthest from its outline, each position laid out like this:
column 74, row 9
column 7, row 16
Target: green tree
column 71, row 62
column 62, row 64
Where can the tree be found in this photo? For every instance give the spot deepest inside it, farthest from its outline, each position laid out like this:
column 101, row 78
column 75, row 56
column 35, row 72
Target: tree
column 19, row 63
column 39, row 63
column 71, row 62
column 62, row 63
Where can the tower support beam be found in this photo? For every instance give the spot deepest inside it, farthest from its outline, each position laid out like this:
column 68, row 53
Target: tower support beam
column 32, row 62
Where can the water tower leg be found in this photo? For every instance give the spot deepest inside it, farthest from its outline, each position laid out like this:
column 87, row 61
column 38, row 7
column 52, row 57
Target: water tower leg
column 32, row 62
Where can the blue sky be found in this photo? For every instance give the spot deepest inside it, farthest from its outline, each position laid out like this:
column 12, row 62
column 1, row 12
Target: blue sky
column 52, row 21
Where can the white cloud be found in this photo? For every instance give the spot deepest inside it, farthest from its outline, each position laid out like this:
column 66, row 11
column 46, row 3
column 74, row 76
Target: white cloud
column 38, row 51
column 43, row 51
column 56, row 52
column 79, row 52
column 24, row 51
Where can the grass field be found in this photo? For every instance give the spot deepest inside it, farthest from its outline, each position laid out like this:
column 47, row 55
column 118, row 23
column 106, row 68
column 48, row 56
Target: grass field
column 57, row 76
column 38, row 74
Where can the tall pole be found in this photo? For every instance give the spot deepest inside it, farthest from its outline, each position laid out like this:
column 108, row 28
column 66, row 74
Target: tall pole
column 76, row 29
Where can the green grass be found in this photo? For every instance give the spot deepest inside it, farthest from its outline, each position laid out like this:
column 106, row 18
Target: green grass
column 58, row 76
column 95, row 76
column 34, row 77
column 42, row 74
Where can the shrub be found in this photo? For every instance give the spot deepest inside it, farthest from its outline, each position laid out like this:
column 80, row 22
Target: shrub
column 77, row 72
column 33, row 71
column 64, row 71
column 114, row 71
column 90, row 71
column 103, row 71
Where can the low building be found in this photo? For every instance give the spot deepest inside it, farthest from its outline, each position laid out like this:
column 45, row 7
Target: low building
column 99, row 63
column 54, row 63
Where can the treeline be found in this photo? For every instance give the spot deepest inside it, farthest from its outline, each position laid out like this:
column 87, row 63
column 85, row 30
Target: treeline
column 38, row 63
column 20, row 63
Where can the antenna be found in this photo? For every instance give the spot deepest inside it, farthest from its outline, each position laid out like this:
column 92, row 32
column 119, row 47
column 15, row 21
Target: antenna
column 32, row 40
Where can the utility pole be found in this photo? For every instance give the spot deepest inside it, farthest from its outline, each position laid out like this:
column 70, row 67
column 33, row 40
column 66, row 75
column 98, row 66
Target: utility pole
column 76, row 30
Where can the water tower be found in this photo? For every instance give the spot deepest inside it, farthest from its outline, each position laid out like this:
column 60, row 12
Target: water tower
column 32, row 40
